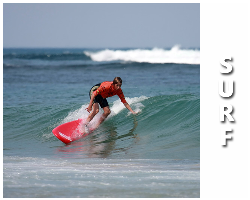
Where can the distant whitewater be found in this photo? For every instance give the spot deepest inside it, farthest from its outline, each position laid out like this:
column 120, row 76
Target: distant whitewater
column 155, row 55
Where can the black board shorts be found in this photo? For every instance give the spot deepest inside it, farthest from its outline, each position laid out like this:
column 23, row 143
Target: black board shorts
column 98, row 99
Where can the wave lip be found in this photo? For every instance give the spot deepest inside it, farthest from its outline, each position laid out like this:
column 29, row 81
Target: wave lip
column 155, row 55
column 116, row 108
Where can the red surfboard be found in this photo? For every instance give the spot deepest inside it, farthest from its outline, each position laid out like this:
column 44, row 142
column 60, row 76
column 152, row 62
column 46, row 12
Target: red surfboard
column 71, row 131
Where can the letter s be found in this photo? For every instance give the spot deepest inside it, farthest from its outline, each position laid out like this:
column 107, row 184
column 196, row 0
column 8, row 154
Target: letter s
column 229, row 67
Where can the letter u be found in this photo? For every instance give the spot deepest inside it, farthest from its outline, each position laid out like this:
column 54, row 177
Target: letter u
column 229, row 89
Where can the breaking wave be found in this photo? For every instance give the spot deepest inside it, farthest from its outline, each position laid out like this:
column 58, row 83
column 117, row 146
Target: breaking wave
column 155, row 55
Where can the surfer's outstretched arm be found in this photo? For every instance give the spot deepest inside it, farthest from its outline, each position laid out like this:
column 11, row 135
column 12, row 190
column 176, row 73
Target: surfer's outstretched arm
column 129, row 108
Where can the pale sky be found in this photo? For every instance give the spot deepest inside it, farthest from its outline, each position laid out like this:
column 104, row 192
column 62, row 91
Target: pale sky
column 101, row 25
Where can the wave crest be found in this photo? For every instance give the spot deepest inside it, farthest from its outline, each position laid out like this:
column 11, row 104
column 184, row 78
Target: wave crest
column 155, row 55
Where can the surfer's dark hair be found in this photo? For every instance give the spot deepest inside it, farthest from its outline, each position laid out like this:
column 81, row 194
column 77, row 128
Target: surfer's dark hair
column 117, row 80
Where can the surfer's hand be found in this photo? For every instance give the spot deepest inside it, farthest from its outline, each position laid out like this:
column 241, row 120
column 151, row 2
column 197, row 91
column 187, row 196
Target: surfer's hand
column 89, row 108
column 135, row 113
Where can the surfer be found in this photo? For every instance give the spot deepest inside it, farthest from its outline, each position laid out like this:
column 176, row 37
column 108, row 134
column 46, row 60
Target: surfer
column 98, row 94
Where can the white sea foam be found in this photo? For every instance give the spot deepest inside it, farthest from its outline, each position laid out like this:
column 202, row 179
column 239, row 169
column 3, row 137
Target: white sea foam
column 116, row 108
column 155, row 55
column 80, row 113
column 135, row 103
column 51, row 177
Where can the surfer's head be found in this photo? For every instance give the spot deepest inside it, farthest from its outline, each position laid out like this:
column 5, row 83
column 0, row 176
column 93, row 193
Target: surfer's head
column 117, row 82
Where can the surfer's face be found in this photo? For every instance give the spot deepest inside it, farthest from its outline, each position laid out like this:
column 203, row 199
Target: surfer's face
column 117, row 86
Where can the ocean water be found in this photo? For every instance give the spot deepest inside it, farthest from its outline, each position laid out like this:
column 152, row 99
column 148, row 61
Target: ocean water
column 155, row 153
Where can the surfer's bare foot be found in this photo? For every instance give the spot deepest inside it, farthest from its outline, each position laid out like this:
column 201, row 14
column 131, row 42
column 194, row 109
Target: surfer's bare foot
column 86, row 128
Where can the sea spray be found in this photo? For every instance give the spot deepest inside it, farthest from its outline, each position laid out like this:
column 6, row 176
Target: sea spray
column 155, row 55
column 133, row 102
column 117, row 107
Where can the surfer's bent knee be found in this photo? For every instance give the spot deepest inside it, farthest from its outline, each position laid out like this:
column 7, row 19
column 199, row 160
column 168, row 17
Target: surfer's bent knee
column 106, row 113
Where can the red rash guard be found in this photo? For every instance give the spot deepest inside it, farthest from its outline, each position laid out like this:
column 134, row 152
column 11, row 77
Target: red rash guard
column 106, row 89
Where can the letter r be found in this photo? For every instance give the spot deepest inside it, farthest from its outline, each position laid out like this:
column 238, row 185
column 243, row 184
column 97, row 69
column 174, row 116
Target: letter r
column 226, row 113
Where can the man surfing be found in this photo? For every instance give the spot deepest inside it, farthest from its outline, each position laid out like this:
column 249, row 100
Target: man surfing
column 98, row 94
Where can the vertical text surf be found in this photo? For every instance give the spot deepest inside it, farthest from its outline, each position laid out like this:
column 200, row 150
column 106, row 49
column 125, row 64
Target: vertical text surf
column 226, row 109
